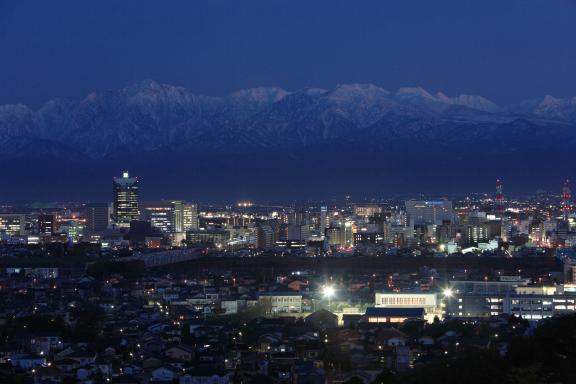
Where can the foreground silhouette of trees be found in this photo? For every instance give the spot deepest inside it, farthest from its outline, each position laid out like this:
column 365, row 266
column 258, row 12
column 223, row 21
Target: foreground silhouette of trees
column 546, row 356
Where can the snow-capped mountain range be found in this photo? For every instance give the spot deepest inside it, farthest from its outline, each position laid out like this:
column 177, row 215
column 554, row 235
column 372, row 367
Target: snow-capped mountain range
column 270, row 143
column 149, row 116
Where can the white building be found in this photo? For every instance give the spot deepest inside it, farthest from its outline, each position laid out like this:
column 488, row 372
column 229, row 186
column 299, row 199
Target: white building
column 280, row 302
column 427, row 301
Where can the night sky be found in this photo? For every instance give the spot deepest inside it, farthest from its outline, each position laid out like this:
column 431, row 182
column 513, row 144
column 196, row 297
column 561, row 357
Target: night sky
column 506, row 50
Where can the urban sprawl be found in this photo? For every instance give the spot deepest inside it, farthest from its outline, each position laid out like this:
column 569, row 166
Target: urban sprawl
column 480, row 288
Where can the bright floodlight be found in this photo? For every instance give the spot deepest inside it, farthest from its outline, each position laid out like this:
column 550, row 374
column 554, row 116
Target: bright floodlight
column 448, row 292
column 328, row 291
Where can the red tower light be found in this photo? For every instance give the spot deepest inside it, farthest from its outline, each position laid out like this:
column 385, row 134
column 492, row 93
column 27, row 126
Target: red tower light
column 566, row 196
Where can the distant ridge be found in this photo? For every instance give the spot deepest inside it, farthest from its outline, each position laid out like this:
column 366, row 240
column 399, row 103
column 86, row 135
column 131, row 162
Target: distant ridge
column 151, row 116
column 271, row 143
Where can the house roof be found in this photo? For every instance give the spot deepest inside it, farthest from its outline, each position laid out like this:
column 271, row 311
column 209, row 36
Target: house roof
column 265, row 294
column 182, row 347
column 321, row 314
column 49, row 372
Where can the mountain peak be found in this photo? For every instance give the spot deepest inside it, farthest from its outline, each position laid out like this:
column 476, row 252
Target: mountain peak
column 148, row 115
column 259, row 95
column 347, row 91
column 311, row 91
column 411, row 92
column 151, row 91
column 550, row 100
column 151, row 86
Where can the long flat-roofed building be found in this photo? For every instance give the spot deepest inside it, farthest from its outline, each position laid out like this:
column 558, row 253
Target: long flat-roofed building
column 393, row 315
column 280, row 302
column 428, row 302
column 13, row 224
column 429, row 212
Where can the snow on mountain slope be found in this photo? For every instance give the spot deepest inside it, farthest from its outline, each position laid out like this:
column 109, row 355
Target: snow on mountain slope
column 151, row 116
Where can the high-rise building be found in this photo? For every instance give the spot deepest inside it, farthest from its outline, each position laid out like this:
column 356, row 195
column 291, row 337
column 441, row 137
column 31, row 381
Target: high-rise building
column 46, row 224
column 160, row 214
column 323, row 218
column 506, row 229
column 97, row 218
column 265, row 236
column 429, row 212
column 348, row 231
column 190, row 217
column 335, row 236
column 178, row 216
column 298, row 232
column 166, row 216
column 477, row 233
column 125, row 191
column 299, row 217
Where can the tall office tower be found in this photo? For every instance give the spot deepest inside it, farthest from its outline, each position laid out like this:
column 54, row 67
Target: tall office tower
column 297, row 232
column 398, row 218
column 566, row 196
column 444, row 232
column 477, row 233
column 125, row 190
column 348, row 231
column 499, row 199
column 190, row 217
column 97, row 218
column 323, row 218
column 299, row 217
column 265, row 238
column 429, row 212
column 178, row 216
column 335, row 235
column 46, row 224
column 505, row 229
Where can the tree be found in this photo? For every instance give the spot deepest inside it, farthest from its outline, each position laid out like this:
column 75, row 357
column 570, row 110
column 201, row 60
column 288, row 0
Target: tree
column 128, row 269
column 354, row 380
column 385, row 377
column 525, row 375
column 87, row 320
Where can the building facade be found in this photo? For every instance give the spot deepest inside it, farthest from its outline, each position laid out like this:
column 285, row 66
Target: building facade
column 125, row 206
column 97, row 218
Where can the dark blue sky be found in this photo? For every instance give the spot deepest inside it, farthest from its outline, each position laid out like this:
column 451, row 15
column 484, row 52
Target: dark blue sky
column 507, row 50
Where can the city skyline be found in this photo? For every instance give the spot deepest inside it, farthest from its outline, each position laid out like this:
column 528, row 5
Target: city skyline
column 498, row 194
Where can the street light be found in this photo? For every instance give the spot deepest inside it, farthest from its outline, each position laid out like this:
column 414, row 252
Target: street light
column 328, row 292
column 448, row 293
